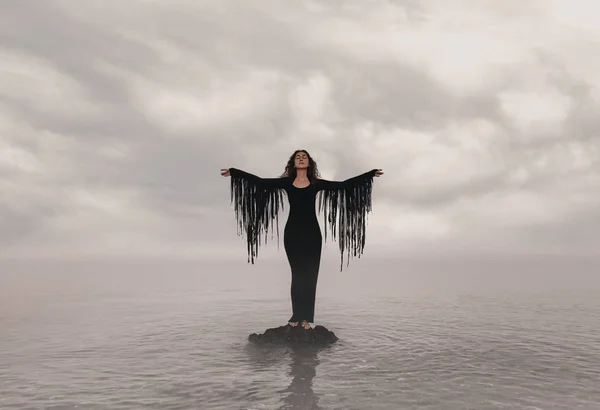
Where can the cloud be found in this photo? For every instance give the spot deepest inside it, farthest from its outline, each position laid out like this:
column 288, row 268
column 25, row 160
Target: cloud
column 115, row 119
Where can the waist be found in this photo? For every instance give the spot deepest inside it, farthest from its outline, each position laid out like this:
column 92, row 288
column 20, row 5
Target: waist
column 305, row 217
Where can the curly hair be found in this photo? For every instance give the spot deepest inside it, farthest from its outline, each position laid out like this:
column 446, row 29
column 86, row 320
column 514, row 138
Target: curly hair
column 312, row 171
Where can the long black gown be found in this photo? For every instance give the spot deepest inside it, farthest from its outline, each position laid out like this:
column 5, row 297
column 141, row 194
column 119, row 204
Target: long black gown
column 257, row 202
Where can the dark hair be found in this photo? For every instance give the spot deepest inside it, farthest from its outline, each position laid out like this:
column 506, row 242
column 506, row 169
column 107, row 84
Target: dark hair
column 312, row 172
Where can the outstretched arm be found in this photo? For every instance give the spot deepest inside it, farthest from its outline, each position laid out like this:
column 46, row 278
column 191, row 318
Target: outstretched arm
column 346, row 205
column 256, row 204
column 265, row 182
column 325, row 184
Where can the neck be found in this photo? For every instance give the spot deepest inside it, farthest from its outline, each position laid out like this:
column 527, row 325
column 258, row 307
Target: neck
column 301, row 173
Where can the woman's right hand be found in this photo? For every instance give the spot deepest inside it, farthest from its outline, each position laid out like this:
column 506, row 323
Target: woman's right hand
column 225, row 172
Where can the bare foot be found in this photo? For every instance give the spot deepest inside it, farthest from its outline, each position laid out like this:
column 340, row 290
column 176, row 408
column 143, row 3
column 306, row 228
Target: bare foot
column 305, row 325
column 293, row 324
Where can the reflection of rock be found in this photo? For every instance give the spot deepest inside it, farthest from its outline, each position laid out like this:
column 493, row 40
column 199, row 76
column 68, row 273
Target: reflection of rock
column 287, row 335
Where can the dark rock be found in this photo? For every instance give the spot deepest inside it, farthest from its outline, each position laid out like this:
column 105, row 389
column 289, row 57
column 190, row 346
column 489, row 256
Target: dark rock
column 289, row 335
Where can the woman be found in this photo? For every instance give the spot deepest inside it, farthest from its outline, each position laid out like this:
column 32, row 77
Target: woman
column 346, row 204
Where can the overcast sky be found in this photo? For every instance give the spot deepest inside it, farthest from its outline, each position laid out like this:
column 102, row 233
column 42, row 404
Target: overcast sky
column 116, row 117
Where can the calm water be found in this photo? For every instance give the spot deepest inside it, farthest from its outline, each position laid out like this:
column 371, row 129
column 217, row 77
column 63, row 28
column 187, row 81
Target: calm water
column 477, row 334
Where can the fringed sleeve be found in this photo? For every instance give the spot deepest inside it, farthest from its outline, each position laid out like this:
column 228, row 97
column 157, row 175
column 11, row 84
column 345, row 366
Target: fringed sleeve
column 346, row 205
column 256, row 204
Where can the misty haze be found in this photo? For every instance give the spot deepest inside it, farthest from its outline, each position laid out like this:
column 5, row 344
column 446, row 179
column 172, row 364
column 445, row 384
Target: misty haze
column 124, row 283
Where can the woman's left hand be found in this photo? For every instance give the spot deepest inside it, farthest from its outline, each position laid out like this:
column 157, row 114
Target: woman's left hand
column 379, row 173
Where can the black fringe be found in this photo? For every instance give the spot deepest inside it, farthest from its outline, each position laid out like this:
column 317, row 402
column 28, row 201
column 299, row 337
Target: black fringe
column 256, row 205
column 346, row 206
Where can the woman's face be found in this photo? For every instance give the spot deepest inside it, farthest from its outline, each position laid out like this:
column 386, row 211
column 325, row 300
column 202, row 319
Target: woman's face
column 301, row 160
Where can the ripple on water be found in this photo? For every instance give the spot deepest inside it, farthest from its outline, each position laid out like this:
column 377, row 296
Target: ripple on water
column 509, row 352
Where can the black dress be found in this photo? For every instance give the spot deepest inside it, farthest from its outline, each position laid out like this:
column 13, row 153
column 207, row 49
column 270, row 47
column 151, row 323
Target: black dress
column 257, row 202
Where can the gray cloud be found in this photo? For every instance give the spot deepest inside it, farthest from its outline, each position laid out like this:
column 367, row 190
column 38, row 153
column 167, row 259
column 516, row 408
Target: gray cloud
column 115, row 119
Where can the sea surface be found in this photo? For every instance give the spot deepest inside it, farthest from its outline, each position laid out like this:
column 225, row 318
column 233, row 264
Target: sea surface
column 448, row 333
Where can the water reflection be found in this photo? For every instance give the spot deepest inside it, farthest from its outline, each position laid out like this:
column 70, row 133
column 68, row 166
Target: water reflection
column 303, row 368
column 303, row 362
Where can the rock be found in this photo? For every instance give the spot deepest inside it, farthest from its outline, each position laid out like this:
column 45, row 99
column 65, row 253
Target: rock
column 286, row 335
